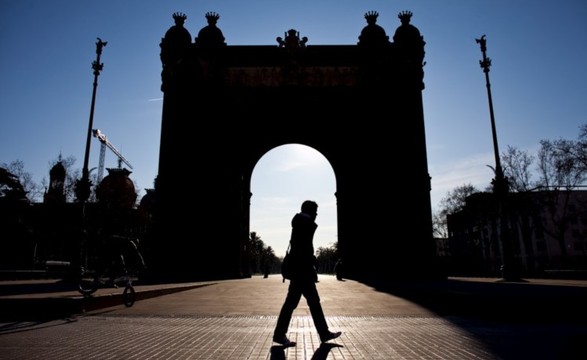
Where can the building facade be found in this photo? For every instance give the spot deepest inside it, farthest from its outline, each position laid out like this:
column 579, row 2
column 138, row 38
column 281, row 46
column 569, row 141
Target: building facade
column 548, row 230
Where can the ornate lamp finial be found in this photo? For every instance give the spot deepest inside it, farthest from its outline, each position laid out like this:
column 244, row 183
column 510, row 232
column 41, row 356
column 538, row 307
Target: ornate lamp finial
column 405, row 16
column 179, row 17
column 371, row 17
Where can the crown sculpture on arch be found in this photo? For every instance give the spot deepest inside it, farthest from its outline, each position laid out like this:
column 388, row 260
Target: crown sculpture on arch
column 405, row 16
column 212, row 17
column 292, row 40
column 371, row 17
column 179, row 17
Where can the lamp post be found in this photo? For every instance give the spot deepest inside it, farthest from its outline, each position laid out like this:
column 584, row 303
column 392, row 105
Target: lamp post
column 500, row 182
column 83, row 185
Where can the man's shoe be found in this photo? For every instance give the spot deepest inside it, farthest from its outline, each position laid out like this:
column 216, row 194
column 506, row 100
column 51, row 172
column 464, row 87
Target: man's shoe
column 329, row 336
column 283, row 340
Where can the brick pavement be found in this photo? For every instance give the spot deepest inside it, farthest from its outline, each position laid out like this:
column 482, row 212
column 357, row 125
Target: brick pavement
column 234, row 319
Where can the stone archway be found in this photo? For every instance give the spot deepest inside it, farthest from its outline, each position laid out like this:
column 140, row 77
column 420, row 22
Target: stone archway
column 359, row 105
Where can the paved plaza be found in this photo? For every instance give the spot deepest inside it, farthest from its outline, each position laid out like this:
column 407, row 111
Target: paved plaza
column 234, row 319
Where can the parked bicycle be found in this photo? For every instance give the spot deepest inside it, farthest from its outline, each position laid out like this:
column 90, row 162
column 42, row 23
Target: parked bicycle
column 116, row 262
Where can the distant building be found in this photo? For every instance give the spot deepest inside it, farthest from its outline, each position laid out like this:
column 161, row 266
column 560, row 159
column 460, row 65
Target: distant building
column 34, row 234
column 56, row 192
column 548, row 231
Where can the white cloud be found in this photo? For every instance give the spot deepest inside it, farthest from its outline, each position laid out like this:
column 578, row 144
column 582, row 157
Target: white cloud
column 467, row 170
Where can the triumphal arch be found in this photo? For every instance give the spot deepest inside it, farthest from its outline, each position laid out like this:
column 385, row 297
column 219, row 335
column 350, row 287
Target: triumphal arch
column 359, row 105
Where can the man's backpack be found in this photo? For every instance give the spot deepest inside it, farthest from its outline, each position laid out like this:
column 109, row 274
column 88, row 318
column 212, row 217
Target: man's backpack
column 286, row 265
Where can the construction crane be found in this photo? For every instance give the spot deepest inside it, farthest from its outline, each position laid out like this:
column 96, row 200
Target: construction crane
column 105, row 143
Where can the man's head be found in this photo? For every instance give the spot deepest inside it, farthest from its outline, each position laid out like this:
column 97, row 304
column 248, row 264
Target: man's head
column 310, row 207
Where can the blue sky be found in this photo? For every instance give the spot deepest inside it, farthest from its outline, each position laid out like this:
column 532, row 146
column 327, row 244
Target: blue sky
column 538, row 81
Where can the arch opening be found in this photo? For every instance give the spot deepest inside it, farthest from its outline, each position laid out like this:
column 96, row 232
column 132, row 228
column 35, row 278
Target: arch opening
column 282, row 179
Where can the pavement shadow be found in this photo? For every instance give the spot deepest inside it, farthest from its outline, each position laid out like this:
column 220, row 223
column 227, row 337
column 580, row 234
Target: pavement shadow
column 36, row 287
column 495, row 300
column 53, row 300
column 277, row 352
column 322, row 352
column 512, row 319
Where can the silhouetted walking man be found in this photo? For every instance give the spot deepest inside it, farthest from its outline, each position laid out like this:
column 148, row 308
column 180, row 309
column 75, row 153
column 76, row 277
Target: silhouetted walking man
column 303, row 279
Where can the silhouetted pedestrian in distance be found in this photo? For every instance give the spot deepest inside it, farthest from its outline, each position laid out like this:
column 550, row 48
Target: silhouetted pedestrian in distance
column 338, row 269
column 303, row 280
column 266, row 268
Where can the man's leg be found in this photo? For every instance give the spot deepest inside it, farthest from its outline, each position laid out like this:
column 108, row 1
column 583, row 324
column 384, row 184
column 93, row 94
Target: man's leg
column 292, row 299
column 311, row 294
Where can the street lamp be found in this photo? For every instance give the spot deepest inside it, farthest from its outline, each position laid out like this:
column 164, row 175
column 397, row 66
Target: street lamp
column 82, row 189
column 500, row 182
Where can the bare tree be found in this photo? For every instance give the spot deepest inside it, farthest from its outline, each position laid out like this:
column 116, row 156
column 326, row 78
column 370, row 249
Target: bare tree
column 581, row 147
column 32, row 190
column 568, row 149
column 454, row 201
column 10, row 186
column 439, row 226
column 523, row 210
column 560, row 172
column 559, row 165
column 517, row 165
